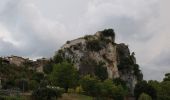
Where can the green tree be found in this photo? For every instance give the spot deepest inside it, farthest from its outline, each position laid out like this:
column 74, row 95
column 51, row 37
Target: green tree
column 47, row 68
column 144, row 87
column 164, row 93
column 112, row 91
column 33, row 84
column 144, row 96
column 118, row 81
column 108, row 32
column 137, row 72
column 102, row 90
column 58, row 58
column 38, row 76
column 90, row 85
column 47, row 93
column 64, row 75
column 167, row 77
column 101, row 71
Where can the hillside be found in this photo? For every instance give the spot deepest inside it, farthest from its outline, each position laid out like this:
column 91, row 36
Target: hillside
column 101, row 49
column 93, row 65
column 90, row 67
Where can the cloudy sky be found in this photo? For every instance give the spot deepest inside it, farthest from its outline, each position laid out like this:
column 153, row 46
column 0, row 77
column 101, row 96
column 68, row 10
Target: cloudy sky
column 37, row 28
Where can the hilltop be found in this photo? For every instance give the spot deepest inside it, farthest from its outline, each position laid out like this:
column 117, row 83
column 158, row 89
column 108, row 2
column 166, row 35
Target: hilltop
column 91, row 51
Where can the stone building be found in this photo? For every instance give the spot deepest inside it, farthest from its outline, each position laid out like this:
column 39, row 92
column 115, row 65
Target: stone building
column 39, row 63
column 15, row 60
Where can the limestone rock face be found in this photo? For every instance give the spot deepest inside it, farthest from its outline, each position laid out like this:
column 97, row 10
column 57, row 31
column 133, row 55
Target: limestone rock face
column 101, row 47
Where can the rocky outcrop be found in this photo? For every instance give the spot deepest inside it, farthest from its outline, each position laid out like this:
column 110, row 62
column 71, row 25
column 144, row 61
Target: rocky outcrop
column 100, row 47
column 126, row 63
column 85, row 52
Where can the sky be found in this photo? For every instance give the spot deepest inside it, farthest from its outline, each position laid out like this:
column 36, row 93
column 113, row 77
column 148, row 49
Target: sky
column 38, row 28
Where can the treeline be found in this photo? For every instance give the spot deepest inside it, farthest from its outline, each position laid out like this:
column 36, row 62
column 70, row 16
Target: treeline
column 153, row 89
column 60, row 76
column 65, row 78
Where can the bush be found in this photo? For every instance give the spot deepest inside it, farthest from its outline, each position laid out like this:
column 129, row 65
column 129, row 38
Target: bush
column 33, row 84
column 89, row 37
column 101, row 71
column 90, row 85
column 94, row 45
column 118, row 81
column 47, row 68
column 108, row 32
column 64, row 75
column 144, row 87
column 79, row 89
column 71, row 90
column 102, row 90
column 144, row 96
column 109, row 90
column 11, row 98
column 58, row 58
column 38, row 76
column 47, row 94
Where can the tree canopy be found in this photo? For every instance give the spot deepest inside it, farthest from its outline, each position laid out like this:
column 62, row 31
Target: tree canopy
column 64, row 75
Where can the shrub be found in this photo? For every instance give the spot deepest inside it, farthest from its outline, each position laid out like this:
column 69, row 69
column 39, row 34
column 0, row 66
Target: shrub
column 94, row 45
column 64, row 75
column 101, row 71
column 90, row 85
column 71, row 90
column 108, row 32
column 33, row 84
column 102, row 90
column 144, row 96
column 89, row 37
column 79, row 89
column 144, row 87
column 47, row 94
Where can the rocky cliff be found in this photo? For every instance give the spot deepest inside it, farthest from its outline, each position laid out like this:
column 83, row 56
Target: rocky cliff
column 89, row 51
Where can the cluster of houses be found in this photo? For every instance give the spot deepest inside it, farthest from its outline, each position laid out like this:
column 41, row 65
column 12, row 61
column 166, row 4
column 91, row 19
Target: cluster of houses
column 19, row 61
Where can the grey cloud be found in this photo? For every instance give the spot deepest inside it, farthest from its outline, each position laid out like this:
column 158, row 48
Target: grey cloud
column 4, row 45
column 27, row 26
column 38, row 28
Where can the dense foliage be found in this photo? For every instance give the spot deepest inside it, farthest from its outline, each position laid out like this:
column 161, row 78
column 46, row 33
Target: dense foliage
column 106, row 90
column 108, row 32
column 144, row 96
column 64, row 75
column 162, row 88
column 94, row 45
column 47, row 93
column 127, row 61
column 101, row 71
column 18, row 77
column 144, row 87
column 157, row 90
